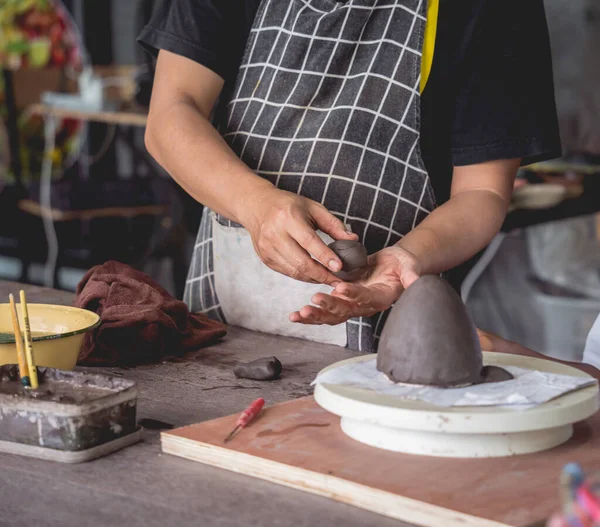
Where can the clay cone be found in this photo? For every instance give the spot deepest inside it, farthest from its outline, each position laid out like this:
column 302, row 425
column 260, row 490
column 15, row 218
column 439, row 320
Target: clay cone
column 430, row 339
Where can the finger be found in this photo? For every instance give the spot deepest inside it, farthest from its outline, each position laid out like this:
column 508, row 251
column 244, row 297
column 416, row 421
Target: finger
column 306, row 316
column 297, row 318
column 355, row 293
column 304, row 265
column 276, row 256
column 321, row 315
column 315, row 316
column 310, row 241
column 308, row 322
column 279, row 262
column 329, row 224
column 409, row 277
column 334, row 305
column 377, row 297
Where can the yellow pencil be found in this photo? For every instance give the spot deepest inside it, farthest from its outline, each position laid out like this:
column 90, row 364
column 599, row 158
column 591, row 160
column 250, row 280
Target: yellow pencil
column 33, row 378
column 23, row 370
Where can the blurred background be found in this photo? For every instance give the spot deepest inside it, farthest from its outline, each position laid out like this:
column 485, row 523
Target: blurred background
column 73, row 102
column 77, row 187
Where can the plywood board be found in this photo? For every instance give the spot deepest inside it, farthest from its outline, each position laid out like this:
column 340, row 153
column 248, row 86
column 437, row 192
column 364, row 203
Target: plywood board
column 300, row 445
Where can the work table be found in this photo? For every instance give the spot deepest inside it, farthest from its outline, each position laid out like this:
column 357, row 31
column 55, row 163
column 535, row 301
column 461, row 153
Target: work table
column 141, row 486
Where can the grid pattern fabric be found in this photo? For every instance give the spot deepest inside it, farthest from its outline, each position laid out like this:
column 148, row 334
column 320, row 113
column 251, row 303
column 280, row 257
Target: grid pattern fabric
column 326, row 105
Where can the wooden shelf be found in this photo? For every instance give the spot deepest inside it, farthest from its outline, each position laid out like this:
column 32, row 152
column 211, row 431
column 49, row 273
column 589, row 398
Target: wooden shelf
column 127, row 116
column 34, row 208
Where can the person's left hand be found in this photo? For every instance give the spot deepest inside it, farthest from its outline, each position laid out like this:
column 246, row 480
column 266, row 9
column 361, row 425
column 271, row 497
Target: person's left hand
column 389, row 272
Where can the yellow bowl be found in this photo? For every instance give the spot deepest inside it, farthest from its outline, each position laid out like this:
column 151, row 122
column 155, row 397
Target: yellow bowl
column 57, row 331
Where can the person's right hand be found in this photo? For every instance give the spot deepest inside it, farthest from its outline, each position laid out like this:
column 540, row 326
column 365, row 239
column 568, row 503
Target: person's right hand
column 283, row 228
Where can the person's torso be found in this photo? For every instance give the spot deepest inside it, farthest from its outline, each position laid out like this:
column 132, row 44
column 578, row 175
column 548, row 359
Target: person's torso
column 449, row 31
column 326, row 104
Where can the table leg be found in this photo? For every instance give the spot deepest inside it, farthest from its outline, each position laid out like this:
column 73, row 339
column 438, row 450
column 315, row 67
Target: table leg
column 12, row 126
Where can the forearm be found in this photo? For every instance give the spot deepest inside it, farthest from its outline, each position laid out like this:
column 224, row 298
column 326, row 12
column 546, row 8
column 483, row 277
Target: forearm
column 456, row 231
column 189, row 148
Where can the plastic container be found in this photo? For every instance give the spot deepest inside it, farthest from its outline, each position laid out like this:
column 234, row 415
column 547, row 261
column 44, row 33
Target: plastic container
column 567, row 322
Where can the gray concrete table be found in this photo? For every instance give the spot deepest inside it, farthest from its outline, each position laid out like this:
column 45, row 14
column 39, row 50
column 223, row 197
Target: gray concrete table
column 141, row 486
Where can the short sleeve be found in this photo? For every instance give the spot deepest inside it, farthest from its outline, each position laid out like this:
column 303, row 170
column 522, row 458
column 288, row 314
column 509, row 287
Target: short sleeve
column 505, row 106
column 209, row 32
column 591, row 352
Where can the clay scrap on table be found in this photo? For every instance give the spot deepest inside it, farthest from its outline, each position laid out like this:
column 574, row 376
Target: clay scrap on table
column 265, row 369
column 353, row 255
column 430, row 339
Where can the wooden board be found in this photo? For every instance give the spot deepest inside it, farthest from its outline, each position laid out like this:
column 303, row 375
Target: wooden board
column 300, row 445
column 34, row 208
column 134, row 117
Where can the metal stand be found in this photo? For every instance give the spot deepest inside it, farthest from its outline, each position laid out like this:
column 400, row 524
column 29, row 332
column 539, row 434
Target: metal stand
column 13, row 129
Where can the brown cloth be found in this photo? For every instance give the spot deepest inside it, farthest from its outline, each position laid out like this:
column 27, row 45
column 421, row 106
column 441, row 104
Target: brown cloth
column 140, row 321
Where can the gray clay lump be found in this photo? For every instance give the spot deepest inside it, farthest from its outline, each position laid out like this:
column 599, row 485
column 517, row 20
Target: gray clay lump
column 265, row 369
column 430, row 339
column 353, row 255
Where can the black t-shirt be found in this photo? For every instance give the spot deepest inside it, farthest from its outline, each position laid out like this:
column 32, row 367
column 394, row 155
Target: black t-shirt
column 490, row 91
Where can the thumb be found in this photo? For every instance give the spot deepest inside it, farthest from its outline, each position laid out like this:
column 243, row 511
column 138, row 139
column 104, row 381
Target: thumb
column 409, row 277
column 329, row 224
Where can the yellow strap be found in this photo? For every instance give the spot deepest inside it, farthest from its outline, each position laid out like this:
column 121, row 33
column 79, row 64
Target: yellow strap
column 429, row 41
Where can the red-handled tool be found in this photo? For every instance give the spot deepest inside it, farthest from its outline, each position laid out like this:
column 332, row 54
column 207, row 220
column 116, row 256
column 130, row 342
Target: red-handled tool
column 246, row 416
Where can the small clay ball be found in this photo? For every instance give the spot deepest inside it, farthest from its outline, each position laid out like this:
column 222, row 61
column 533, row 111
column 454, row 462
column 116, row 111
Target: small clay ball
column 354, row 257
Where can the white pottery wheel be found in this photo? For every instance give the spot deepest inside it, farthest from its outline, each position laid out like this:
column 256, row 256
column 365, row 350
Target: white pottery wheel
column 416, row 427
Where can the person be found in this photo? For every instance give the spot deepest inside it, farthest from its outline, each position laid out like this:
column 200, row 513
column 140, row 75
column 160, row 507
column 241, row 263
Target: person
column 494, row 343
column 591, row 351
column 400, row 123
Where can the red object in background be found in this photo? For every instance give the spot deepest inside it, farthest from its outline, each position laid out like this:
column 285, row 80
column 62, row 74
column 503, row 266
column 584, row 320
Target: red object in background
column 39, row 20
column 56, row 33
column 589, row 502
column 36, row 34
column 59, row 57
column 71, row 126
column 45, row 25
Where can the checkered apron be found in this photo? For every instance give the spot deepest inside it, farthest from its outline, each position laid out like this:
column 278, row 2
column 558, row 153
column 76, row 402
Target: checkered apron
column 327, row 105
